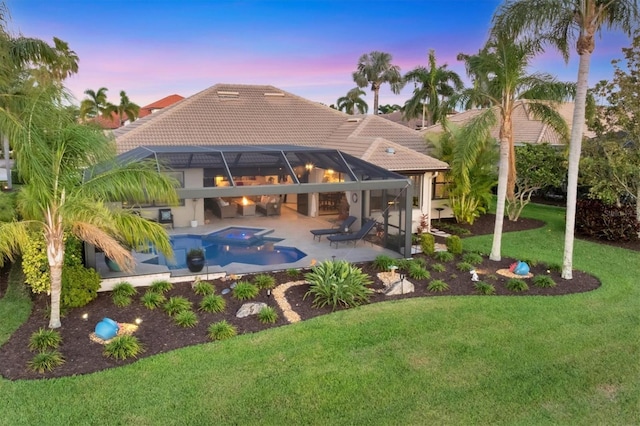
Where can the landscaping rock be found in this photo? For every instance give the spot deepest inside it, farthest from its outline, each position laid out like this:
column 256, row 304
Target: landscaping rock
column 400, row 287
column 251, row 308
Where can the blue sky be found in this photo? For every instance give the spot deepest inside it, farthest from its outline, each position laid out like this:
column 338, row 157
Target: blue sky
column 152, row 49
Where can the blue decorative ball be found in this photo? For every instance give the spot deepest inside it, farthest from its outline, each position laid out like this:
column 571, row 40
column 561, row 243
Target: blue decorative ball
column 106, row 329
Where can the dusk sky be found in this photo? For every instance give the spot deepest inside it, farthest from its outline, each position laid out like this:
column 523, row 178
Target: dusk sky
column 152, row 49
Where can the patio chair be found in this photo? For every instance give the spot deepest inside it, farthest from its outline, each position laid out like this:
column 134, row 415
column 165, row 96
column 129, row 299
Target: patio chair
column 165, row 217
column 366, row 228
column 343, row 228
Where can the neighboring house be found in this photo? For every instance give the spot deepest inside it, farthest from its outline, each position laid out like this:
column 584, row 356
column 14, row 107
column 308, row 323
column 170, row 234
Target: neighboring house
column 158, row 105
column 245, row 140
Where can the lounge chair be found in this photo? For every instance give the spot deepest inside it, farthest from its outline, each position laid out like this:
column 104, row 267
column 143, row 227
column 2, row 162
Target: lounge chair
column 345, row 225
column 366, row 228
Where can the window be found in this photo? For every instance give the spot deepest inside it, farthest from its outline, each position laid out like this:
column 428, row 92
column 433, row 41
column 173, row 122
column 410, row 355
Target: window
column 417, row 181
column 441, row 186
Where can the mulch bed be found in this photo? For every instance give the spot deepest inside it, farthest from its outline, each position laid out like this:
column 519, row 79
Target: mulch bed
column 158, row 333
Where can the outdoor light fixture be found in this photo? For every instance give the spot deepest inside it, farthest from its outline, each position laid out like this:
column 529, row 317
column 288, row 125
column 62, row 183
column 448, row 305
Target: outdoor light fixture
column 309, row 166
column 402, row 282
column 138, row 321
column 85, row 316
column 269, row 292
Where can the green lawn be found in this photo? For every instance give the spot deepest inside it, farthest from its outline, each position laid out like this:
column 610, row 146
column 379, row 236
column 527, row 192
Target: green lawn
column 446, row 360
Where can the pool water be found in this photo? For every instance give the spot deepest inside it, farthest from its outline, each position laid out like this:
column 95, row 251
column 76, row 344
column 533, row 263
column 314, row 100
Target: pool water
column 234, row 244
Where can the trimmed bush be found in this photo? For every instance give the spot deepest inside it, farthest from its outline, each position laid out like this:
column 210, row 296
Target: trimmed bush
column 176, row 304
column 123, row 347
column 186, row 319
column 45, row 361
column 515, row 284
column 428, row 244
column 484, row 288
column 161, row 286
column 444, row 256
column 607, row 222
column 213, row 303
column 263, row 281
column 454, row 244
column 543, row 281
column 203, row 288
column 244, row 290
column 337, row 283
column 151, row 299
column 438, row 286
column 80, row 286
column 44, row 339
column 35, row 264
column 121, row 300
column 268, row 315
column 472, row 258
column 221, row 330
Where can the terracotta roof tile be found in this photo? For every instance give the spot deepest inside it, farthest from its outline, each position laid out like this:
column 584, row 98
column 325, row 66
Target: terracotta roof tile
column 233, row 114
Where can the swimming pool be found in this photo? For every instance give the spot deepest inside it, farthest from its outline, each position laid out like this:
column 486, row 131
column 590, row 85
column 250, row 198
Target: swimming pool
column 234, row 244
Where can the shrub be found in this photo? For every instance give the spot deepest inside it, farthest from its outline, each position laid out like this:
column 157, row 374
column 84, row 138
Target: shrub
column 203, row 288
column 45, row 361
column 405, row 264
column 417, row 272
column 125, row 289
column 556, row 267
column 123, row 347
column 428, row 244
column 607, row 222
column 438, row 285
column 484, row 288
column 121, row 300
column 453, row 229
column 464, row 266
column 176, row 304
column 444, row 256
column 263, row 281
column 268, row 315
column 35, row 264
column 161, row 286
column 454, row 244
column 186, row 318
column 221, row 330
column 336, row 283
column 44, row 339
column 472, row 258
column 213, row 303
column 543, row 281
column 383, row 262
column 244, row 290
column 151, row 299
column 419, row 261
column 80, row 286
column 515, row 284
column 438, row 267
column 293, row 272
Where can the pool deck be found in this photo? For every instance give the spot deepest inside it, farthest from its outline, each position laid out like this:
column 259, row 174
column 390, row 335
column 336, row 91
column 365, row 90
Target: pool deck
column 292, row 227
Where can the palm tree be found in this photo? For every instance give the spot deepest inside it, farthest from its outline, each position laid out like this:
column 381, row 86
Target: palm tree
column 559, row 22
column 433, row 86
column 126, row 108
column 375, row 68
column 52, row 150
column 18, row 54
column 388, row 108
column 352, row 101
column 96, row 105
column 505, row 62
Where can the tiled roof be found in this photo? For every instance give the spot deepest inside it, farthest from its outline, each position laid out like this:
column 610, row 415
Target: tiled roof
column 232, row 114
column 159, row 104
column 526, row 128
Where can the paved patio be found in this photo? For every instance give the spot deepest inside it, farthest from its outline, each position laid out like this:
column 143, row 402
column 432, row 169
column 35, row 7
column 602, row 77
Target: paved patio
column 292, row 227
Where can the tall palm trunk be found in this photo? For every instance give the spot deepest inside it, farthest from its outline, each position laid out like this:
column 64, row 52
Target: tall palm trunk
column 511, row 179
column 574, row 161
column 503, row 173
column 376, row 92
column 54, row 239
